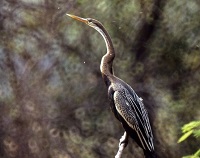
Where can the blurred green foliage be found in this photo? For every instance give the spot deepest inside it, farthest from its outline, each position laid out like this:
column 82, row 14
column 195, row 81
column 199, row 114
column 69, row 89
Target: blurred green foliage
column 192, row 128
column 53, row 102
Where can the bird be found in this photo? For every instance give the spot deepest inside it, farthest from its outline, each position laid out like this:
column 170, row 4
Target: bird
column 126, row 105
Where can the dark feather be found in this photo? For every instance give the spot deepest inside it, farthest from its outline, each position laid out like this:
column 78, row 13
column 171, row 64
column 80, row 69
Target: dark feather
column 130, row 110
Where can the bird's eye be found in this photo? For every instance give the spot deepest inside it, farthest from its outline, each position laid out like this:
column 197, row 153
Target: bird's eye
column 89, row 21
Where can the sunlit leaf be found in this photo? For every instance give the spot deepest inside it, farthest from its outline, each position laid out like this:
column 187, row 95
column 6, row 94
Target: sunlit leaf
column 187, row 156
column 190, row 126
column 197, row 133
column 197, row 153
column 185, row 136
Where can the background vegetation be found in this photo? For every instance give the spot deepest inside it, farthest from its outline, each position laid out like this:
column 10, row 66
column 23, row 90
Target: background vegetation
column 53, row 102
column 192, row 128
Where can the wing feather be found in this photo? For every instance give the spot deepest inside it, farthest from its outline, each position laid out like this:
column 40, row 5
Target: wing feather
column 132, row 110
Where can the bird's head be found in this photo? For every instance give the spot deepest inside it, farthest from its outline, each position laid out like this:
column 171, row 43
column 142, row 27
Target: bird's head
column 110, row 49
column 89, row 21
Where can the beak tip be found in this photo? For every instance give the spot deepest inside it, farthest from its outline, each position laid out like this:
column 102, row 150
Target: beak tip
column 69, row 15
column 77, row 18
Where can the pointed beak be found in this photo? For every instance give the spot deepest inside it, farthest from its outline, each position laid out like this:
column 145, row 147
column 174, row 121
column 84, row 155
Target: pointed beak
column 78, row 18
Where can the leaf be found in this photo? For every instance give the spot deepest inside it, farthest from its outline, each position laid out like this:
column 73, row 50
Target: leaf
column 187, row 156
column 196, row 133
column 197, row 154
column 189, row 126
column 185, row 136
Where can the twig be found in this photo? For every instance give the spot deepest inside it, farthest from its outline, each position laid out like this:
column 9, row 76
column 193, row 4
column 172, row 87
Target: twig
column 123, row 142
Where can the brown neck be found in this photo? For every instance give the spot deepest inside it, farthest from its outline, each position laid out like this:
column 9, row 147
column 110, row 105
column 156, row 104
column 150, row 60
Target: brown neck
column 107, row 59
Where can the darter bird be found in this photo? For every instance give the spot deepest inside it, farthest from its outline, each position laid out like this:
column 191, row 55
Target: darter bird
column 127, row 107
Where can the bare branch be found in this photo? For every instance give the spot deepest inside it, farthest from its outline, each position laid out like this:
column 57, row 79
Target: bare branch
column 123, row 142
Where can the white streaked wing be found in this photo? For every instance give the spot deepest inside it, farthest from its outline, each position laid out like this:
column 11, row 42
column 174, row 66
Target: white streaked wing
column 131, row 108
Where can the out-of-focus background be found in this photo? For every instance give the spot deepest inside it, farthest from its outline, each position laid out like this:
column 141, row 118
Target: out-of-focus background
column 53, row 102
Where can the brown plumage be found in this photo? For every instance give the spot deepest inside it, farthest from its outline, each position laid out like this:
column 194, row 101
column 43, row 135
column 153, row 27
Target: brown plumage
column 127, row 107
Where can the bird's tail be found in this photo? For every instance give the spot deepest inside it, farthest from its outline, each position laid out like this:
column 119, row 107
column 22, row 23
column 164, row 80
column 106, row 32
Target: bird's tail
column 150, row 154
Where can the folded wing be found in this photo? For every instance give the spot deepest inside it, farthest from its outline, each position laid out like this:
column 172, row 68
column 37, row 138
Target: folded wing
column 131, row 108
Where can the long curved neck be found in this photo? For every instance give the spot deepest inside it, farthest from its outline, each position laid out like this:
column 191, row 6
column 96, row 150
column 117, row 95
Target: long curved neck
column 107, row 59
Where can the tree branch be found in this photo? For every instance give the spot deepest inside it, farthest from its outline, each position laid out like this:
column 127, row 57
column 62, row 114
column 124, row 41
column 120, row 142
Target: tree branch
column 147, row 28
column 123, row 142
